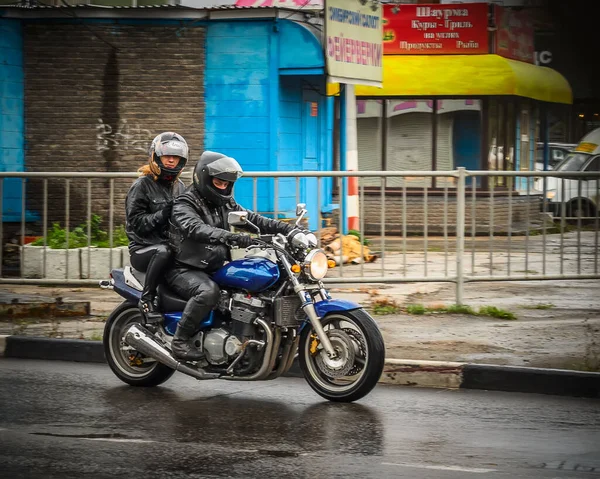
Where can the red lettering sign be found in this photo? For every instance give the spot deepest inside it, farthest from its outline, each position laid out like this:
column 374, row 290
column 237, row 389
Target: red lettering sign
column 514, row 35
column 411, row 29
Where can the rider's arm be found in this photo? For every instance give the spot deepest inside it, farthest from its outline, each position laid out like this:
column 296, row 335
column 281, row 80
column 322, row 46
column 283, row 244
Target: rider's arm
column 188, row 220
column 138, row 212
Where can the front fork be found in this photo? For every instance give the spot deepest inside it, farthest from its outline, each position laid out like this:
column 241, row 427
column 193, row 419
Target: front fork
column 309, row 308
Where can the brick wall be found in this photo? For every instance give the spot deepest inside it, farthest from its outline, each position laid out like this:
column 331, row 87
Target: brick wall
column 440, row 211
column 96, row 95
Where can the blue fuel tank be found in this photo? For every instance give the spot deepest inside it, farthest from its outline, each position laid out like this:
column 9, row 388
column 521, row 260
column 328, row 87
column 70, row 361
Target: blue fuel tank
column 253, row 274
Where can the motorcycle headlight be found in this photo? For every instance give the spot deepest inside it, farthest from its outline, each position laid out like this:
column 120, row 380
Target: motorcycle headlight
column 550, row 194
column 315, row 265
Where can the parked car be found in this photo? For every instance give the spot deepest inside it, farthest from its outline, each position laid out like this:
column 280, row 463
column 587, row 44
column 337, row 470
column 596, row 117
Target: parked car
column 579, row 195
column 557, row 153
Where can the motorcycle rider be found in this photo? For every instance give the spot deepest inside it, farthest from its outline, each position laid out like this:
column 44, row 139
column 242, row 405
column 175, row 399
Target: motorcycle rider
column 199, row 237
column 148, row 208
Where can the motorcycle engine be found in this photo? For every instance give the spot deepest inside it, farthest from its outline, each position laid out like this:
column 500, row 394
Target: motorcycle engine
column 220, row 345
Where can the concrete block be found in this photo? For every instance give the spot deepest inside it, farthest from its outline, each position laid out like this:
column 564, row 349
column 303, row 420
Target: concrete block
column 96, row 263
column 56, row 262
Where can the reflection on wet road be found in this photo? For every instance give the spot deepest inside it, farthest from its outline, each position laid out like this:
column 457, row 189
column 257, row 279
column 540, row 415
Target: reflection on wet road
column 63, row 420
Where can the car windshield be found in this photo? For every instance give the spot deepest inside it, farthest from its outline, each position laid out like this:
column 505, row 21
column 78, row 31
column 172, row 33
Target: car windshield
column 573, row 162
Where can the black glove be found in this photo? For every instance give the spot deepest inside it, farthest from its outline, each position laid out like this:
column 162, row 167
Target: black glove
column 166, row 211
column 241, row 240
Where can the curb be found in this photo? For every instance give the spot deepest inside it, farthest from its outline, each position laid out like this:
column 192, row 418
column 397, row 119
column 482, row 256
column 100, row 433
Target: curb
column 400, row 372
column 44, row 309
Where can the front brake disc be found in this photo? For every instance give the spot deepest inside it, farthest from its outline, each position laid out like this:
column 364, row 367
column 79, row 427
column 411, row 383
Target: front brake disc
column 343, row 363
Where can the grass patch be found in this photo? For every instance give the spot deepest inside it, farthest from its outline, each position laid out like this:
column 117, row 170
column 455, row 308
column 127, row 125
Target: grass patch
column 495, row 312
column 416, row 309
column 96, row 336
column 382, row 306
column 460, row 309
column 540, row 306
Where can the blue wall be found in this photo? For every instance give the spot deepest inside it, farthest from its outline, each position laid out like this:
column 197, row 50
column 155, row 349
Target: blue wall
column 258, row 116
column 12, row 122
column 237, row 84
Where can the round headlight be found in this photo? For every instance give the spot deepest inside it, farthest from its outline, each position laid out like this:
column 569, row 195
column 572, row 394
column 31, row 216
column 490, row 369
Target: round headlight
column 315, row 264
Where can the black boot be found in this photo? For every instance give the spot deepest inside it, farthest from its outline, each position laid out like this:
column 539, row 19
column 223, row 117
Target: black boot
column 183, row 346
column 148, row 310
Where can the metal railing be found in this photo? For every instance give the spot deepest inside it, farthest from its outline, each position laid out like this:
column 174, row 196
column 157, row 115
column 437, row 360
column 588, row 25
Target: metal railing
column 472, row 226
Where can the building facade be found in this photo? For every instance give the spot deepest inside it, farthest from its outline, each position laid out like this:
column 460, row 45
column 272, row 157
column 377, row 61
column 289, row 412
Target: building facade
column 86, row 89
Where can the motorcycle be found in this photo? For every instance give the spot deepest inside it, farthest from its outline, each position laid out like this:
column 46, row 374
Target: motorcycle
column 273, row 308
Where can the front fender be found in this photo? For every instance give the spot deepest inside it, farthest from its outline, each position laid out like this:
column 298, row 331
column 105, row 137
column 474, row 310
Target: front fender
column 332, row 305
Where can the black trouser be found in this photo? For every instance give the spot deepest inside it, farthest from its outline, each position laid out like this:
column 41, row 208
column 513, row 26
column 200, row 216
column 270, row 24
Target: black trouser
column 201, row 292
column 152, row 260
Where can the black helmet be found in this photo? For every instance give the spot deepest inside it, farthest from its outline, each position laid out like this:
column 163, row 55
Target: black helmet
column 215, row 165
column 170, row 144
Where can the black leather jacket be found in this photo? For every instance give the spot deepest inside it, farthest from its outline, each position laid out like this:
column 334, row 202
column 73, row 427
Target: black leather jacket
column 199, row 228
column 146, row 217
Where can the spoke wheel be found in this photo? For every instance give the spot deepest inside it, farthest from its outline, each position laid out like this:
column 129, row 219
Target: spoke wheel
column 128, row 364
column 359, row 360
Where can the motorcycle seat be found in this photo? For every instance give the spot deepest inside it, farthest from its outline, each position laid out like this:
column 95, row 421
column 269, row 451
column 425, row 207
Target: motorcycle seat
column 168, row 301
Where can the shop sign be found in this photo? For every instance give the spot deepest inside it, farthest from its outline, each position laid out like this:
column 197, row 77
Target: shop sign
column 353, row 47
column 514, row 34
column 417, row 29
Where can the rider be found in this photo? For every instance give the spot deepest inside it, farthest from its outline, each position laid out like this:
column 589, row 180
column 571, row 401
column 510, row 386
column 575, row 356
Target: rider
column 148, row 207
column 200, row 237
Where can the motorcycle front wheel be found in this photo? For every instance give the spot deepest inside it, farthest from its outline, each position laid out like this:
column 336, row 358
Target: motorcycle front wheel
column 129, row 365
column 360, row 359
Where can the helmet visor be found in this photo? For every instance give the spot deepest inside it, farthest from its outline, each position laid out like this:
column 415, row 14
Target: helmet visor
column 172, row 148
column 226, row 169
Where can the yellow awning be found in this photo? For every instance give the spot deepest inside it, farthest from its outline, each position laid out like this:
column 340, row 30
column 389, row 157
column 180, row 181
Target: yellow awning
column 467, row 75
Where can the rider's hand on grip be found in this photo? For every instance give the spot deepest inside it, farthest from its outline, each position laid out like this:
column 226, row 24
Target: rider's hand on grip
column 241, row 240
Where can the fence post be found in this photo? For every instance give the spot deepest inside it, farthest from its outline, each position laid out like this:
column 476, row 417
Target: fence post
column 460, row 233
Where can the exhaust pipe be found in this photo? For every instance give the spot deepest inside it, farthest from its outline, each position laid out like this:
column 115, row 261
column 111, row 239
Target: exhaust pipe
column 140, row 338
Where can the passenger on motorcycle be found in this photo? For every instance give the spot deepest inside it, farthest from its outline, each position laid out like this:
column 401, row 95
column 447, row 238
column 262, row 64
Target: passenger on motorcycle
column 148, row 208
column 199, row 235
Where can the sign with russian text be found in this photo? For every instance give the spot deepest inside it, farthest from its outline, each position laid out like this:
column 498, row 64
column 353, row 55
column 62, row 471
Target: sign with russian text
column 353, row 47
column 514, row 34
column 418, row 29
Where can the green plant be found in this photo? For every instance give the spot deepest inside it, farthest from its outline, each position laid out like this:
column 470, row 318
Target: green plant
column 78, row 238
column 460, row 309
column 416, row 309
column 382, row 306
column 495, row 312
column 360, row 237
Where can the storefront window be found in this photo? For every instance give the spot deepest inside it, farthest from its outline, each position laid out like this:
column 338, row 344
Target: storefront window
column 458, row 136
column 409, row 133
column 369, row 124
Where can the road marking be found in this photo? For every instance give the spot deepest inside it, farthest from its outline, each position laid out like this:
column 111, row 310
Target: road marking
column 474, row 470
column 113, row 439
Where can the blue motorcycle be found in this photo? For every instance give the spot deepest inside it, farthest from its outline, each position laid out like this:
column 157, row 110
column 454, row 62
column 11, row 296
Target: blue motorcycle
column 273, row 308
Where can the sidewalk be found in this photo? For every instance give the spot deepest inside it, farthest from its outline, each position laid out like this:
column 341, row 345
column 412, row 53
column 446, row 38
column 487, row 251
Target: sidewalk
column 556, row 333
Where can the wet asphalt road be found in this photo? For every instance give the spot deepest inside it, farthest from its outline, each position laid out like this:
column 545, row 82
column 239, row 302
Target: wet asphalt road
column 73, row 420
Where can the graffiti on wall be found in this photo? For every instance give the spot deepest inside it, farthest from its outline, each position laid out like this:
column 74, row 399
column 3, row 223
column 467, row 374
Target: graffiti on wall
column 126, row 136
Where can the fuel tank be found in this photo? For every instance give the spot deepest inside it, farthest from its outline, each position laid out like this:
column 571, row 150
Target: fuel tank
column 252, row 274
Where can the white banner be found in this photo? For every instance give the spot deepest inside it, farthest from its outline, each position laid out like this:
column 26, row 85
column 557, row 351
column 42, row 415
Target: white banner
column 354, row 41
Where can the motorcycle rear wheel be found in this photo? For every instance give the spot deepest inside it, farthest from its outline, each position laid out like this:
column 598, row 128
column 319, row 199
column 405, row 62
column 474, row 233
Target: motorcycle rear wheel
column 118, row 353
column 361, row 356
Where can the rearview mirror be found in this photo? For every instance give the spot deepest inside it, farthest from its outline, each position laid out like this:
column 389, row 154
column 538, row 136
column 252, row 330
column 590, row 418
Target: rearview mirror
column 237, row 218
column 300, row 208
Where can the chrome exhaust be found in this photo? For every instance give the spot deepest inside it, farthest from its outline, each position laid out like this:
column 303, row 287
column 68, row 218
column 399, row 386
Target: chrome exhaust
column 141, row 340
